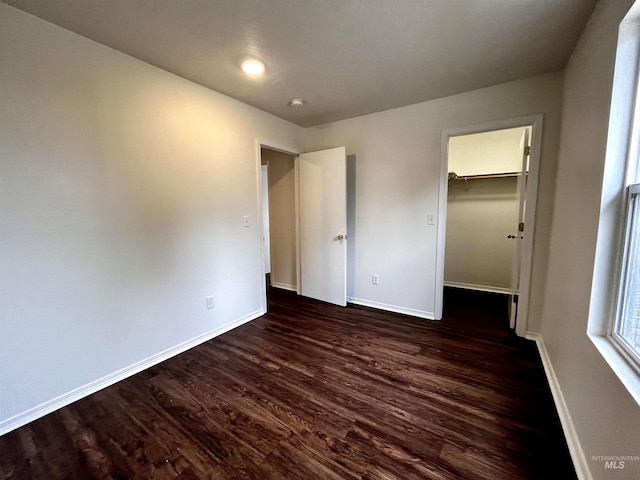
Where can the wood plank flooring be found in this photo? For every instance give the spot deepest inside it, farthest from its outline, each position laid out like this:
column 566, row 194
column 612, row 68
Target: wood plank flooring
column 313, row 391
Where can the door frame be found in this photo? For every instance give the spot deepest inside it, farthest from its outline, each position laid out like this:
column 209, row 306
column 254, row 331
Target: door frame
column 259, row 145
column 535, row 122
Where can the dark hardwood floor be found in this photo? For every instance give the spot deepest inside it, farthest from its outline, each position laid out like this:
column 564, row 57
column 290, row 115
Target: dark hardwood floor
column 313, row 391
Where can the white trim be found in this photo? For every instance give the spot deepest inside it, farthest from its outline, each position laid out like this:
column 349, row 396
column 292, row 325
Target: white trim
column 535, row 122
column 261, row 207
column 441, row 232
column 277, row 147
column 296, row 204
column 479, row 288
column 632, row 212
column 575, row 449
column 392, row 308
column 284, row 286
column 65, row 399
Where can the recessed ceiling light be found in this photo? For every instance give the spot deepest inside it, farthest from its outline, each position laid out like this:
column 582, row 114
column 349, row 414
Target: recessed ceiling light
column 253, row 67
column 296, row 102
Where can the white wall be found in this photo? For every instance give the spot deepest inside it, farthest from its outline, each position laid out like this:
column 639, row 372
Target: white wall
column 606, row 419
column 480, row 215
column 282, row 215
column 499, row 151
column 122, row 196
column 397, row 154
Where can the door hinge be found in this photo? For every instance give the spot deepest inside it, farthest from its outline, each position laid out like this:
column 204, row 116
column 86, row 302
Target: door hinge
column 527, row 150
column 515, row 299
column 521, row 227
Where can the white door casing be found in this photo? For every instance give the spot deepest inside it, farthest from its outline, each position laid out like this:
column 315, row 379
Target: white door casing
column 262, row 204
column 526, row 243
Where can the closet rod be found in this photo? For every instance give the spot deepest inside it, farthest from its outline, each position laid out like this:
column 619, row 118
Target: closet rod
column 454, row 176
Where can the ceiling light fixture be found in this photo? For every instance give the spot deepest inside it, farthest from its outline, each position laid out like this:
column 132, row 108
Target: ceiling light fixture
column 253, row 67
column 296, row 102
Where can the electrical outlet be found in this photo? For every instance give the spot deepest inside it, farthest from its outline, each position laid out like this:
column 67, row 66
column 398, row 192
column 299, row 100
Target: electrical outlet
column 210, row 303
column 375, row 279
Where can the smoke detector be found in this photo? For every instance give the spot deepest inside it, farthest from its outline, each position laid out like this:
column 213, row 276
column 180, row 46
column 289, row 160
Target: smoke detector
column 296, row 102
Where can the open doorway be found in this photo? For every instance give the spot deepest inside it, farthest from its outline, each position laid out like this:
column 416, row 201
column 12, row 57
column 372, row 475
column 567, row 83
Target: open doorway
column 279, row 218
column 303, row 199
column 488, row 190
column 485, row 189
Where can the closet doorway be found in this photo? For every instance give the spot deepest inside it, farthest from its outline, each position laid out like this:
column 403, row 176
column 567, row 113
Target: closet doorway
column 489, row 214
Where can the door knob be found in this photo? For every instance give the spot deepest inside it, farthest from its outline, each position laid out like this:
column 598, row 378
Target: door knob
column 341, row 237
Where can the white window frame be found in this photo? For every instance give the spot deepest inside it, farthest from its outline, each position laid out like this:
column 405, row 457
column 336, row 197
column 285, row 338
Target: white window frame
column 630, row 212
column 620, row 172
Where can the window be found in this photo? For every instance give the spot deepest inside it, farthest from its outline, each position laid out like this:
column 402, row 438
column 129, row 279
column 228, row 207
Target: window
column 614, row 311
column 626, row 330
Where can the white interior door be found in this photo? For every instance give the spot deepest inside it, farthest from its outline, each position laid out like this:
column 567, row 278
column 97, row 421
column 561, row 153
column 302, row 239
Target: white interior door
column 519, row 231
column 322, row 200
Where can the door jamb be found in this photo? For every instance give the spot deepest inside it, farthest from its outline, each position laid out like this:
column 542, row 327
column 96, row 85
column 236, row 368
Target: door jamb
column 259, row 144
column 535, row 121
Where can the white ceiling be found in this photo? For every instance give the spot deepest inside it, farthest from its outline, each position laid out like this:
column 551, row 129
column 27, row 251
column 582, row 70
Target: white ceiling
column 344, row 57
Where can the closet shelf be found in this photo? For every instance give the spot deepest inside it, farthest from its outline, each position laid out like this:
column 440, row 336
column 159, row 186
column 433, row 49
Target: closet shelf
column 454, row 176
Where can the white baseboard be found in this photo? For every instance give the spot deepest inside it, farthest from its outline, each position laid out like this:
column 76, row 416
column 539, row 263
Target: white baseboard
column 480, row 288
column 392, row 308
column 63, row 400
column 575, row 449
column 284, row 286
